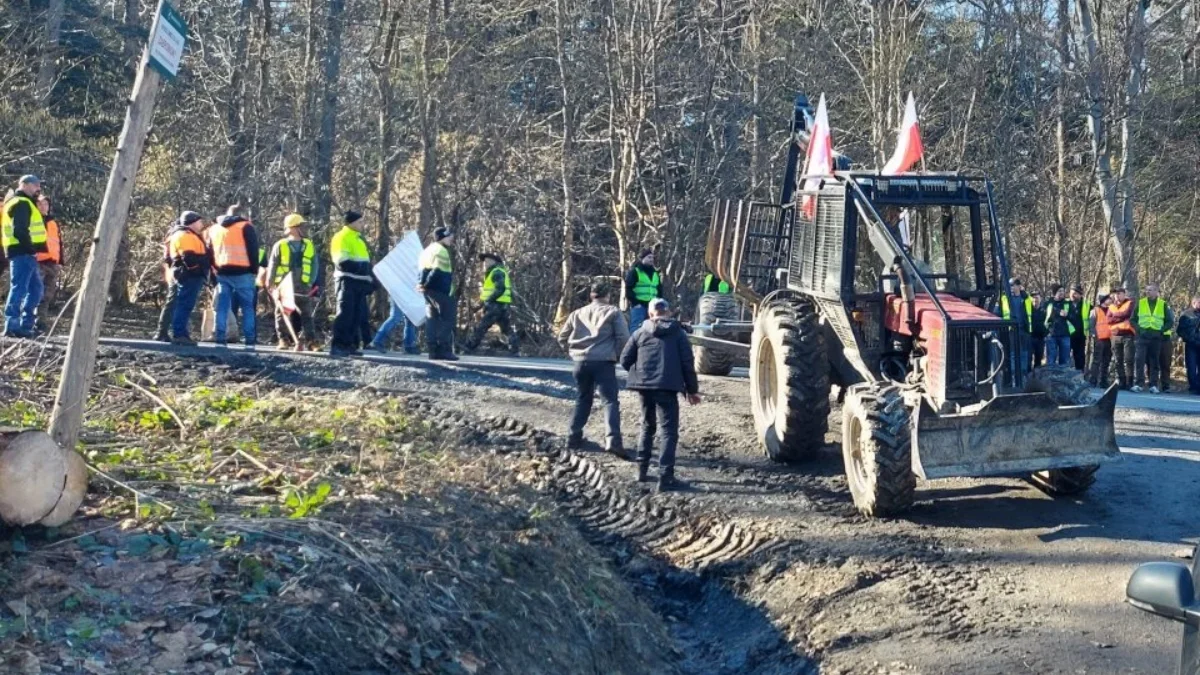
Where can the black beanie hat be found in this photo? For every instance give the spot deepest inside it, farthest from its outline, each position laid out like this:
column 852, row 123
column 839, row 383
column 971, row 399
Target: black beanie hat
column 352, row 217
column 645, row 252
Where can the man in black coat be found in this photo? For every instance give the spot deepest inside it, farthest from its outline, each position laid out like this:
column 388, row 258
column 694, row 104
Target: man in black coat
column 659, row 360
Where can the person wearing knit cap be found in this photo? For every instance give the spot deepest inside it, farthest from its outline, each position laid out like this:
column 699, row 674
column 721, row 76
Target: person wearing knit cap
column 437, row 283
column 496, row 294
column 191, row 264
column 168, row 309
column 354, row 281
column 643, row 283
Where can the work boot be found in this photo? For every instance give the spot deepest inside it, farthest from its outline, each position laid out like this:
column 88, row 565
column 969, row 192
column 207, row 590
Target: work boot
column 377, row 348
column 162, row 337
column 1135, row 389
column 667, row 481
column 574, row 442
column 643, row 471
column 183, row 341
column 1153, row 390
column 615, row 447
column 282, row 345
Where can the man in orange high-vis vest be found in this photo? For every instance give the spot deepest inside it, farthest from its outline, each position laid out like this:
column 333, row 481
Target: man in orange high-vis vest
column 1120, row 311
column 1101, row 336
column 50, row 263
column 234, row 244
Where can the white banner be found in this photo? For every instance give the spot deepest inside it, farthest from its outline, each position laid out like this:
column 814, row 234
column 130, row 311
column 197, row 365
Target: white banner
column 399, row 272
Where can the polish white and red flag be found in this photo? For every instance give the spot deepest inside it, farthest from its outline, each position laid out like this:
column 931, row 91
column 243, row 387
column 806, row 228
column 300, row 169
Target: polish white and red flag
column 820, row 157
column 909, row 149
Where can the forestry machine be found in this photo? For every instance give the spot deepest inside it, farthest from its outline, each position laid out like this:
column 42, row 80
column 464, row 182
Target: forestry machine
column 887, row 287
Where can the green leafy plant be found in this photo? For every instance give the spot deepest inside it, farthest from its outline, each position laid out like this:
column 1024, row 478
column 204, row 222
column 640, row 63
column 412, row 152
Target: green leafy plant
column 301, row 504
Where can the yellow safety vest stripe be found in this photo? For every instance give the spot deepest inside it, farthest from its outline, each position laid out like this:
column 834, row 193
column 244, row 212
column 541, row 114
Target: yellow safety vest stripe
column 37, row 226
column 489, row 285
column 646, row 288
column 435, row 256
column 1152, row 319
column 349, row 245
column 285, row 261
column 1007, row 314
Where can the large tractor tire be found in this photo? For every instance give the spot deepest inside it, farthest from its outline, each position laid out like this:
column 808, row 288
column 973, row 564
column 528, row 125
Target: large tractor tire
column 1064, row 386
column 712, row 306
column 877, row 449
column 789, row 380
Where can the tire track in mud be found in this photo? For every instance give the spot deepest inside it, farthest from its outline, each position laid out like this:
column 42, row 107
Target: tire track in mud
column 938, row 586
column 684, row 555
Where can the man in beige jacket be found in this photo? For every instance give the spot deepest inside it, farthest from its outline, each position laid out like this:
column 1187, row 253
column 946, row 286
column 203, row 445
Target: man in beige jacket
column 594, row 337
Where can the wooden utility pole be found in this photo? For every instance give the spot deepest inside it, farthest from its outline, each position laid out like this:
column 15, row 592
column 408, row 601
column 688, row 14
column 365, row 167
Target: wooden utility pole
column 160, row 58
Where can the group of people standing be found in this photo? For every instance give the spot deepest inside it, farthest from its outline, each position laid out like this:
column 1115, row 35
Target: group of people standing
column 229, row 256
column 32, row 253
column 1133, row 338
column 654, row 350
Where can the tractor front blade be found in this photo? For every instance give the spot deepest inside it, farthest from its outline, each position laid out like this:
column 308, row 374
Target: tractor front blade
column 1013, row 434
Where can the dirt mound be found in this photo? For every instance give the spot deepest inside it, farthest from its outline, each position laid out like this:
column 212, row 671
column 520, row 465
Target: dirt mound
column 251, row 528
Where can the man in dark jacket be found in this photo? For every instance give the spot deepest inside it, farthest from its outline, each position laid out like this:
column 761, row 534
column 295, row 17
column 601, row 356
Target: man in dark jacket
column 1058, row 328
column 595, row 337
column 1189, row 333
column 659, row 360
column 1038, row 340
column 1079, row 334
column 190, row 267
column 437, row 283
column 24, row 236
column 643, row 283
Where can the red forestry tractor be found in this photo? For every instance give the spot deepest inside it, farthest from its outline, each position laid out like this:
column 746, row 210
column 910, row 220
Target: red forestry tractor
column 885, row 287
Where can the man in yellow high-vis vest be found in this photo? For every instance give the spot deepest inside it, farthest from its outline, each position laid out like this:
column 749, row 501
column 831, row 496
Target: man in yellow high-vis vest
column 1151, row 318
column 437, row 283
column 643, row 283
column 496, row 294
column 24, row 236
column 355, row 282
column 295, row 257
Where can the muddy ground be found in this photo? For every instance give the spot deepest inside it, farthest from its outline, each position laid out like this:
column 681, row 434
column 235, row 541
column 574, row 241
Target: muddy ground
column 983, row 576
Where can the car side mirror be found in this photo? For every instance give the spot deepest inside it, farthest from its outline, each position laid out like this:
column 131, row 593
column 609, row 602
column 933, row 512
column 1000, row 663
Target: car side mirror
column 1165, row 589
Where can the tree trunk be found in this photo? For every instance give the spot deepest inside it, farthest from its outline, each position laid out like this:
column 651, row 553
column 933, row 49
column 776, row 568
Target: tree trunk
column 235, row 114
column 332, row 63
column 118, row 285
column 430, row 211
column 1060, row 110
column 565, row 155
column 389, row 156
column 46, row 70
column 1121, row 230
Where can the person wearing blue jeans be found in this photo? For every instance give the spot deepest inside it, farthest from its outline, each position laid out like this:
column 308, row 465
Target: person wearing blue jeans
column 236, row 290
column 24, row 294
column 1058, row 328
column 191, row 263
column 234, row 244
column 24, row 236
column 394, row 318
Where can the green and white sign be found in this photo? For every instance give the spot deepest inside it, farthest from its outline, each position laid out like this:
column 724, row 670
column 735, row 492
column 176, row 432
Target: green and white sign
column 168, row 41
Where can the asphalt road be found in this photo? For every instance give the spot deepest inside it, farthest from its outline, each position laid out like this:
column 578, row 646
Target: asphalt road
column 559, row 368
